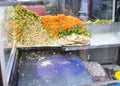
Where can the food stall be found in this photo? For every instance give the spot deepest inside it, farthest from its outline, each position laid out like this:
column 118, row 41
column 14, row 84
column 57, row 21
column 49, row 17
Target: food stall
column 57, row 49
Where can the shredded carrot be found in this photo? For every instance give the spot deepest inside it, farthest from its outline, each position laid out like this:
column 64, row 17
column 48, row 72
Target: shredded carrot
column 53, row 24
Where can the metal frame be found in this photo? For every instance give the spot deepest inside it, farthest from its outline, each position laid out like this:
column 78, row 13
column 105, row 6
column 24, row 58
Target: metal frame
column 10, row 63
column 14, row 3
column 2, row 62
column 11, row 60
column 114, row 8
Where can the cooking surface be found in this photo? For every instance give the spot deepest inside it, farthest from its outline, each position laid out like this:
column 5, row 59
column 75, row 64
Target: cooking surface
column 52, row 69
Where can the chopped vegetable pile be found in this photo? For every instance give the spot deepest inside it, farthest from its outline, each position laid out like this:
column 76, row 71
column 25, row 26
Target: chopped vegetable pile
column 30, row 29
column 27, row 28
column 61, row 25
column 98, row 21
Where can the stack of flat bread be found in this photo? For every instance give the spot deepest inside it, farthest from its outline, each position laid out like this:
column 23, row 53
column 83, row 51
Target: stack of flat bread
column 73, row 40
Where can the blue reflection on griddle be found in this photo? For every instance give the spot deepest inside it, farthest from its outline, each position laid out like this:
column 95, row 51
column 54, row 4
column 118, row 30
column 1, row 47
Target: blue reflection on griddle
column 63, row 71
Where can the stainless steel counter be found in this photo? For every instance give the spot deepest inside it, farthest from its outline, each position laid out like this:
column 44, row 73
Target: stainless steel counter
column 105, row 35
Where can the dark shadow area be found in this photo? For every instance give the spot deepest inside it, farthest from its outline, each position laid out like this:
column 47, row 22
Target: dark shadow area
column 1, row 83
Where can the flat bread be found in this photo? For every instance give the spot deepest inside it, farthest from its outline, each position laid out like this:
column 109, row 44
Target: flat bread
column 74, row 40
